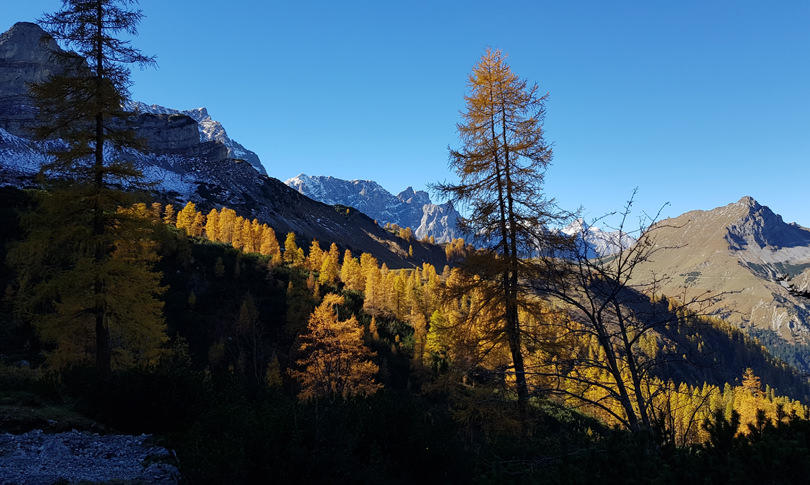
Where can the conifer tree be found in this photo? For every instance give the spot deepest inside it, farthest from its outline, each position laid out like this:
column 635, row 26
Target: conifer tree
column 212, row 225
column 269, row 244
column 501, row 165
column 335, row 361
column 81, row 269
column 237, row 236
column 169, row 217
column 198, row 225
column 292, row 253
column 247, row 237
column 186, row 217
column 374, row 300
column 351, row 272
column 315, row 256
column 330, row 268
column 227, row 221
column 256, row 231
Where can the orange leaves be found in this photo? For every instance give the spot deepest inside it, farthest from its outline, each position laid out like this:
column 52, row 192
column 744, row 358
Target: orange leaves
column 336, row 363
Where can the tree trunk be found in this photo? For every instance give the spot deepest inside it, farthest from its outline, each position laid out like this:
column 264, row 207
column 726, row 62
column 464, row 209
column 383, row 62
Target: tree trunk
column 103, row 344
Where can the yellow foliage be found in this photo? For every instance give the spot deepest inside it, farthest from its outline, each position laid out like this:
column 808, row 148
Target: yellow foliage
column 336, row 363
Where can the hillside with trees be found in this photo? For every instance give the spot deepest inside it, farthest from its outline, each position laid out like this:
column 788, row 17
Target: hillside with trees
column 261, row 354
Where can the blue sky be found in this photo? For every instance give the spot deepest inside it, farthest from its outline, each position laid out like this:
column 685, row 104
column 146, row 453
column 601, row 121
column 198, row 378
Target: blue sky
column 696, row 103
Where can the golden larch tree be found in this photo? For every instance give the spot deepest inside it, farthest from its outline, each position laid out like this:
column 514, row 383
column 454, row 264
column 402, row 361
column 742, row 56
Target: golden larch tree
column 500, row 166
column 335, row 361
column 212, row 225
column 268, row 243
column 330, row 267
column 186, row 217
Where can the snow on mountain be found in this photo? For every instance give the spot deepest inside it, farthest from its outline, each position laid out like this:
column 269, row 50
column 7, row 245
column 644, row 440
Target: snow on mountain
column 409, row 208
column 597, row 241
column 189, row 157
column 210, row 130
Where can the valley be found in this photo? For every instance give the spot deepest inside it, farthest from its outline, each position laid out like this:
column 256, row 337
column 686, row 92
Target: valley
column 326, row 330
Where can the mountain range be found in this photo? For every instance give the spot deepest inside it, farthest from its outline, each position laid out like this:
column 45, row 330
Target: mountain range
column 409, row 208
column 757, row 264
column 744, row 252
column 190, row 157
column 597, row 242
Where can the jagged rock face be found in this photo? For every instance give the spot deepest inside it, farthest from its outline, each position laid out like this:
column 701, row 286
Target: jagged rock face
column 597, row 242
column 766, row 236
column 208, row 130
column 25, row 57
column 407, row 209
column 438, row 221
column 745, row 253
column 168, row 133
column 189, row 158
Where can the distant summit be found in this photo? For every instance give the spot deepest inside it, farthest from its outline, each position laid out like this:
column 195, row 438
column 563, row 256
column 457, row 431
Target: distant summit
column 596, row 241
column 409, row 208
column 747, row 253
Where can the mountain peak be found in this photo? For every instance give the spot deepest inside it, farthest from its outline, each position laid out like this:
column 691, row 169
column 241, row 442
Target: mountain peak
column 410, row 196
column 749, row 202
column 209, row 130
column 24, row 42
column 596, row 241
column 578, row 226
column 410, row 208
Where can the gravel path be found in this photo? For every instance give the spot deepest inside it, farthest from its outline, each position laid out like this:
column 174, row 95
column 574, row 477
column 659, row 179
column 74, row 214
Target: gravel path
column 41, row 458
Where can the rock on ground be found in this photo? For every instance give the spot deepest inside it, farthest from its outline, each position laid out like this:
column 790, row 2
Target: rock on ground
column 39, row 458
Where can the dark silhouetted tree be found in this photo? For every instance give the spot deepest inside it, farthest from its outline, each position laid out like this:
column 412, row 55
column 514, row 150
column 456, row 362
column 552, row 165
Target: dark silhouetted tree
column 83, row 106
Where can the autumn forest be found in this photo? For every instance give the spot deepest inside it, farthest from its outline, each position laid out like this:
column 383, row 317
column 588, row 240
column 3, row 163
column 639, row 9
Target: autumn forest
column 260, row 356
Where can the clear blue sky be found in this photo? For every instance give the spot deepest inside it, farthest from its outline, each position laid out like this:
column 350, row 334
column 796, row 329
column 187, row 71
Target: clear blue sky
column 696, row 103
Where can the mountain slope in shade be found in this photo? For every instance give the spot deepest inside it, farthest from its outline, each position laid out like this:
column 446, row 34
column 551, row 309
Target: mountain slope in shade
column 409, row 208
column 190, row 157
column 747, row 253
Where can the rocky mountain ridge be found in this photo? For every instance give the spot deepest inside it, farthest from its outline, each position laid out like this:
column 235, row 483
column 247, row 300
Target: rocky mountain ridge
column 187, row 160
column 209, row 130
column 409, row 208
column 744, row 252
column 598, row 242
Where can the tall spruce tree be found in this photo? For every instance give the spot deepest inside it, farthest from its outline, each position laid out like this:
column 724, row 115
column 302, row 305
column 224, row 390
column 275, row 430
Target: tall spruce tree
column 500, row 166
column 80, row 253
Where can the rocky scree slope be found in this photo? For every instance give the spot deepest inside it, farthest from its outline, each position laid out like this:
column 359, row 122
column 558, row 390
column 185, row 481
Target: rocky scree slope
column 189, row 157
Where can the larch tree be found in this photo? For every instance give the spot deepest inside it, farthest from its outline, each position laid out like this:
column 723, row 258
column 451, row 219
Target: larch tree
column 315, row 256
column 169, row 216
column 335, row 362
column 237, row 237
column 330, row 267
column 81, row 269
column 269, row 243
column 186, row 217
column 351, row 273
column 212, row 225
column 500, row 166
column 622, row 315
column 227, row 221
column 291, row 250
